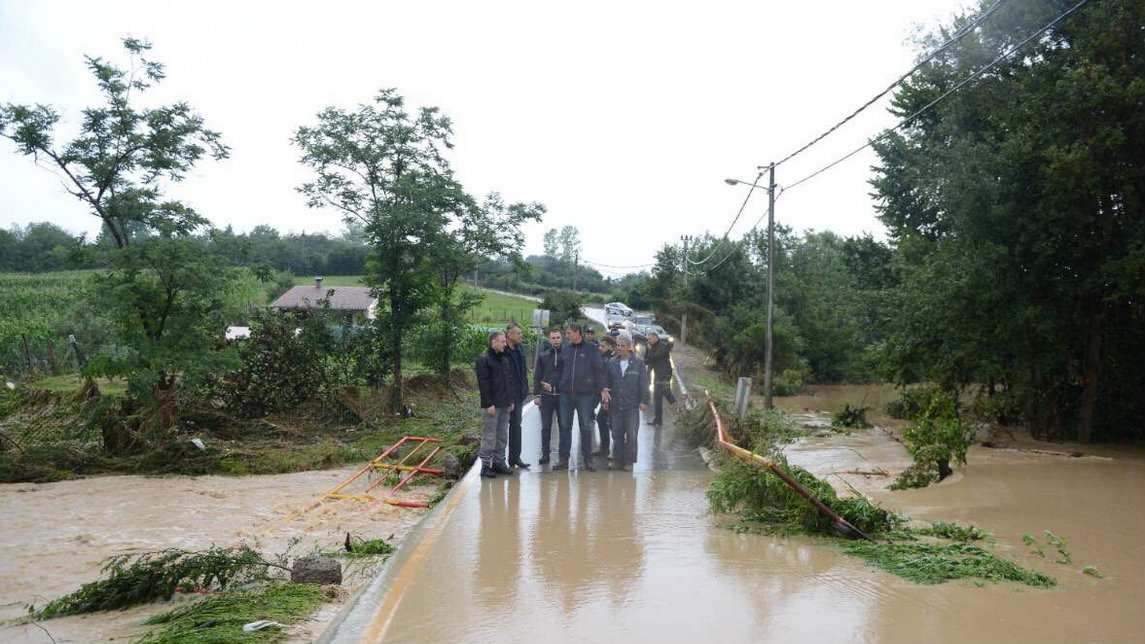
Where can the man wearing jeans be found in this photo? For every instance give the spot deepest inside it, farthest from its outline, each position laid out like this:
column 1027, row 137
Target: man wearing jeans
column 628, row 386
column 658, row 357
column 582, row 386
column 498, row 390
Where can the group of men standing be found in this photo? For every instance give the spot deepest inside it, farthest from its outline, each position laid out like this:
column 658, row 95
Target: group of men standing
column 605, row 382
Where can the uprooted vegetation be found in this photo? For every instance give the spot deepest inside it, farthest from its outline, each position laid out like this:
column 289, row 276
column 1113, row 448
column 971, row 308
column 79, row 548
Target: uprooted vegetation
column 47, row 436
column 759, row 501
column 937, row 437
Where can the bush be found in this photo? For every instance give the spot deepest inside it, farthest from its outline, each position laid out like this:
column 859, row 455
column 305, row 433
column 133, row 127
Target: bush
column 565, row 306
column 937, row 437
column 851, row 418
column 911, row 403
column 791, row 381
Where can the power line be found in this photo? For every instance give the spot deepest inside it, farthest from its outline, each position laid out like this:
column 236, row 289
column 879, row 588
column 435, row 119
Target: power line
column 946, row 45
column 732, row 251
column 603, row 265
column 739, row 214
column 929, row 57
column 948, row 92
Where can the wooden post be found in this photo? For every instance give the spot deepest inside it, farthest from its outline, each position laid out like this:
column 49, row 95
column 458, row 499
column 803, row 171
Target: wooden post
column 27, row 353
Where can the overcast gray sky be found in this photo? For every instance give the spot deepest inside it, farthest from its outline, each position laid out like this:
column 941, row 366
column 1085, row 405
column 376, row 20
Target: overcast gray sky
column 622, row 117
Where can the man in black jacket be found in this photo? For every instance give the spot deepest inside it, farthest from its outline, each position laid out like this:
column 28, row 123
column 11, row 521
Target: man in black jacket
column 628, row 386
column 498, row 390
column 658, row 357
column 582, row 386
column 516, row 357
column 546, row 378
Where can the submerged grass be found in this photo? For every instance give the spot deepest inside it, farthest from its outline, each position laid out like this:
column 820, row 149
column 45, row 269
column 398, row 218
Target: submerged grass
column 358, row 548
column 220, row 619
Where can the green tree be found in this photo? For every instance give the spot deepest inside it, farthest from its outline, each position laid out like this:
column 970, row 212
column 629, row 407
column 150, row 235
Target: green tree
column 117, row 163
column 384, row 168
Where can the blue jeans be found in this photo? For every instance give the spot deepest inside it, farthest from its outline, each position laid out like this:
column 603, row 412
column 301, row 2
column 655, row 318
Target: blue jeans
column 583, row 405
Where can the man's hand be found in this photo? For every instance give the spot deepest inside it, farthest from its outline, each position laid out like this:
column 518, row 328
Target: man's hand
column 491, row 410
column 605, row 396
column 537, row 401
column 511, row 406
column 547, row 387
column 644, row 407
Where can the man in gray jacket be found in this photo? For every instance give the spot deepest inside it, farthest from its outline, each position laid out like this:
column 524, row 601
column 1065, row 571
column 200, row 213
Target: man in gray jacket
column 628, row 389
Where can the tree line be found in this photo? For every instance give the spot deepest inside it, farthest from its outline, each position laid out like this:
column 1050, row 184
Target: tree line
column 1015, row 258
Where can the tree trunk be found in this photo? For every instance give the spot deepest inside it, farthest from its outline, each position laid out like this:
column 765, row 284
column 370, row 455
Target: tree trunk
column 447, row 338
column 396, row 343
column 1091, row 375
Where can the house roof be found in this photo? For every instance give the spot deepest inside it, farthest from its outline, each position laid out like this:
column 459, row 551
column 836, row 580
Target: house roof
column 342, row 298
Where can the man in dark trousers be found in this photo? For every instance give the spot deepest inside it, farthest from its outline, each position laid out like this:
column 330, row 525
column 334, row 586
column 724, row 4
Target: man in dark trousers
column 582, row 386
column 546, row 378
column 628, row 386
column 603, row 418
column 516, row 356
column 498, row 390
column 658, row 357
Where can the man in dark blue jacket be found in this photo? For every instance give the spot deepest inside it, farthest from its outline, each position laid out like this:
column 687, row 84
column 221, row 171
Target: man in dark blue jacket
column 516, row 356
column 582, row 385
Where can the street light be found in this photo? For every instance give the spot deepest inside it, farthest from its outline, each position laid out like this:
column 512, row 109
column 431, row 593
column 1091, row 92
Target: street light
column 770, row 189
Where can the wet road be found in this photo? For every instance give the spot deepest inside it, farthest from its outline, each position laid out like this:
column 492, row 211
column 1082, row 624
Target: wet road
column 611, row 556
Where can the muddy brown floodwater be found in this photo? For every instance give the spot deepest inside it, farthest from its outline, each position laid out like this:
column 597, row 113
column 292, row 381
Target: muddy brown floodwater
column 55, row 535
column 611, row 556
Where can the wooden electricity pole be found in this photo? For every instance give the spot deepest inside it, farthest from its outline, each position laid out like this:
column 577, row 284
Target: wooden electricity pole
column 684, row 317
column 767, row 402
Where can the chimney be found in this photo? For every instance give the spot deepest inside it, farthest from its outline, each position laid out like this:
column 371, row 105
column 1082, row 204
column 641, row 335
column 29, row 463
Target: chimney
column 318, row 282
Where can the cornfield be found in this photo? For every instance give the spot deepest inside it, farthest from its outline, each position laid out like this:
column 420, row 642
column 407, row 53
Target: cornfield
column 37, row 315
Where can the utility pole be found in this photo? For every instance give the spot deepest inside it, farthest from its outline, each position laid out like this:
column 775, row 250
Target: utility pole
column 576, row 267
column 767, row 402
column 684, row 317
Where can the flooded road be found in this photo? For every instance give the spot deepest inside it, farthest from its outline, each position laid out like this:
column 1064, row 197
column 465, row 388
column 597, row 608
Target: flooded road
column 634, row 556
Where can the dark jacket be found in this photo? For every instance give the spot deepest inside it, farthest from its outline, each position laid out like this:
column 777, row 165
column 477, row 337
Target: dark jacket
column 630, row 390
column 516, row 359
column 495, row 380
column 583, row 371
column 547, row 369
column 659, row 361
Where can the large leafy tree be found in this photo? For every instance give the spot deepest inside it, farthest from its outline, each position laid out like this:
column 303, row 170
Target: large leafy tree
column 384, row 168
column 117, row 164
column 164, row 292
column 1018, row 205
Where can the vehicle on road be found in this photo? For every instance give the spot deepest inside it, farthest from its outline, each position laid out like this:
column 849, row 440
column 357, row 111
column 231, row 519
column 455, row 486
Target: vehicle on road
column 617, row 309
column 640, row 333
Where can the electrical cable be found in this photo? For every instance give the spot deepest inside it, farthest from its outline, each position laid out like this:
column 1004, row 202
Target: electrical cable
column 931, row 104
column 732, row 225
column 929, row 57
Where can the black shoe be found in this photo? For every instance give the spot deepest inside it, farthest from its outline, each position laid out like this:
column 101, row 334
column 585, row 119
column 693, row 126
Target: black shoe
column 522, row 464
column 563, row 465
column 588, row 465
column 544, row 460
column 487, row 473
column 502, row 468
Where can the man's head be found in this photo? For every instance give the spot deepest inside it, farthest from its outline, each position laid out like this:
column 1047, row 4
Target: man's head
column 513, row 334
column 555, row 338
column 574, row 334
column 497, row 341
column 607, row 344
column 624, row 345
column 653, row 338
column 590, row 334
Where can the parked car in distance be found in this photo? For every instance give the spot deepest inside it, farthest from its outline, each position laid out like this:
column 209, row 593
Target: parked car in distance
column 617, row 308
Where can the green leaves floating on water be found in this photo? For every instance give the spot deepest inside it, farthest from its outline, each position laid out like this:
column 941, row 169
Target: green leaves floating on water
column 220, row 619
column 1064, row 557
column 933, row 563
column 1032, row 543
column 1092, row 571
column 953, row 531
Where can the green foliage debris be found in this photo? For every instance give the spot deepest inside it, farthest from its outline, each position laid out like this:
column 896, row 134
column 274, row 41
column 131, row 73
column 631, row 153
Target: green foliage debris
column 1092, row 571
column 927, row 563
column 850, row 418
column 136, row 579
column 220, row 619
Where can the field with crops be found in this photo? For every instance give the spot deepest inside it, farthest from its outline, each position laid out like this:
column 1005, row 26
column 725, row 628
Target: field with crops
column 38, row 309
